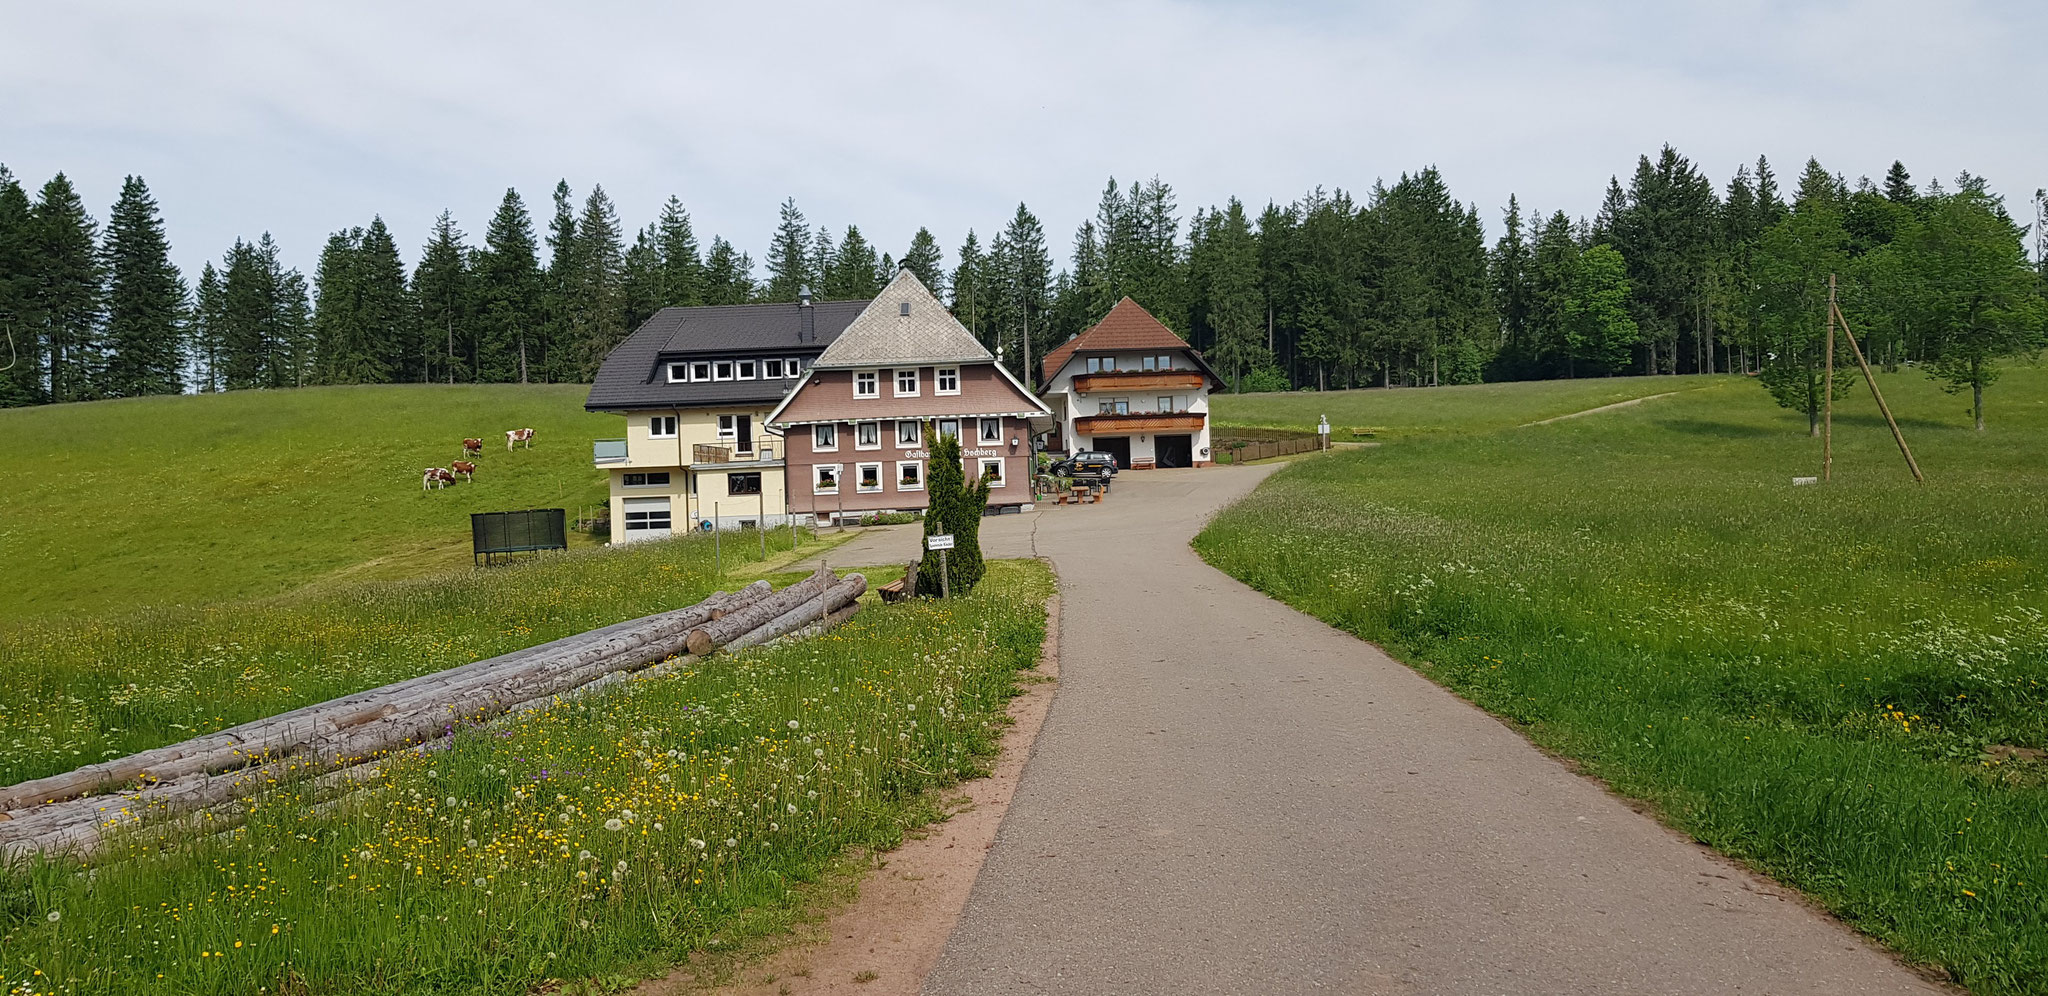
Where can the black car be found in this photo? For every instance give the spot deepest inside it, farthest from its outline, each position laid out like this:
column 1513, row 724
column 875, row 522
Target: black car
column 1087, row 463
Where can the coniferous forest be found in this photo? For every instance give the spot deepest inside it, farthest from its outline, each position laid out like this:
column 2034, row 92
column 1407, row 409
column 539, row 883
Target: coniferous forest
column 1403, row 285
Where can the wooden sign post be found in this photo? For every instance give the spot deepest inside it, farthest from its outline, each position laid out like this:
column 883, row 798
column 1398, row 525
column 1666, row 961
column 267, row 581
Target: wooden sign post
column 942, row 542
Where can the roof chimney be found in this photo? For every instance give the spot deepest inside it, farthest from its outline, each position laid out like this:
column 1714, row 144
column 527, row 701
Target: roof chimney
column 803, row 296
column 807, row 322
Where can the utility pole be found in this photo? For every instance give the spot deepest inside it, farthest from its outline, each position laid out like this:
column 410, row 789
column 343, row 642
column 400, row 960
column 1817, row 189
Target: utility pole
column 1827, row 386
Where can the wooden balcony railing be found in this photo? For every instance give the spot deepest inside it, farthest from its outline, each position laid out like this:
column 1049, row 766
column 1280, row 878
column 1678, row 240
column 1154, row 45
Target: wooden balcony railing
column 1113, row 425
column 1140, row 380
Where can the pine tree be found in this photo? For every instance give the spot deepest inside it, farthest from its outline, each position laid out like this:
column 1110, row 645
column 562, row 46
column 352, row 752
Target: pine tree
column 1554, row 284
column 927, row 261
column 68, row 292
column 443, row 289
column 600, row 301
column 728, row 274
column 264, row 329
column 389, row 319
column 508, row 279
column 885, row 271
column 1022, row 277
column 21, row 383
column 969, row 286
column 640, row 286
column 1509, row 265
column 342, row 346
column 1231, row 297
column 145, row 299
column 819, row 265
column 559, row 292
column 682, row 273
column 1898, row 185
column 203, row 345
column 851, row 275
column 789, row 263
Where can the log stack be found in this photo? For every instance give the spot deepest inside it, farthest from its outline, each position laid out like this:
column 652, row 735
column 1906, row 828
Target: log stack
column 70, row 812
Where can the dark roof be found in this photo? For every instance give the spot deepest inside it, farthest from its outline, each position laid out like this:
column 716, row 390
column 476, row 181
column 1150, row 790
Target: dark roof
column 632, row 375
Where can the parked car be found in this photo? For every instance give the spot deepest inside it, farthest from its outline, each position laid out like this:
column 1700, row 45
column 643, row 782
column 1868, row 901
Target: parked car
column 1088, row 463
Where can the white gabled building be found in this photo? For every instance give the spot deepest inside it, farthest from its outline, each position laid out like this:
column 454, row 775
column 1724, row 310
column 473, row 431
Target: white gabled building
column 1131, row 388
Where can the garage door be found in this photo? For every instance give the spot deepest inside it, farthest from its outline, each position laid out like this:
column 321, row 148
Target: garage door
column 646, row 519
column 1173, row 451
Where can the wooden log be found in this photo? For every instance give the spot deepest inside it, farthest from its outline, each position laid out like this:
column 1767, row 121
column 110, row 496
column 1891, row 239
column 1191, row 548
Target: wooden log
column 810, row 611
column 716, row 633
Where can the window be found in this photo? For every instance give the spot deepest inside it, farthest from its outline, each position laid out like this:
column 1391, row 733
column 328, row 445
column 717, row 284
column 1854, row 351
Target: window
column 825, row 479
column 652, row 479
column 824, row 437
column 700, row 371
column 1121, row 406
column 866, row 384
column 868, row 477
column 909, row 433
column 771, row 369
column 1151, row 363
column 991, row 430
column 1165, row 404
column 948, row 381
column 726, row 434
column 791, row 367
column 721, row 370
column 737, row 431
column 1165, row 362
column 678, row 373
column 867, row 435
column 662, row 427
column 906, row 383
column 949, row 427
column 746, row 369
column 1102, row 364
column 992, row 471
column 748, row 483
column 909, row 475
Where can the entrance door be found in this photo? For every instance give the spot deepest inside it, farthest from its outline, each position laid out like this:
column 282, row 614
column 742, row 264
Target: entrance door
column 1116, row 446
column 646, row 519
column 1173, row 451
column 744, row 425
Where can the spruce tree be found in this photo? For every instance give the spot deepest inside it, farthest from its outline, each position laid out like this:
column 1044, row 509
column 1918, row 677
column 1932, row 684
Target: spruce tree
column 1510, row 263
column 1022, row 295
column 820, row 264
column 203, row 346
column 145, row 299
column 728, row 274
column 1898, row 185
column 509, row 312
column 681, row 281
column 640, row 286
column 341, row 340
column 851, row 272
column 68, row 292
column 600, row 301
column 1232, row 298
column 927, row 261
column 389, row 318
column 1554, row 286
column 244, row 318
column 443, row 291
column 969, row 286
column 21, row 383
column 789, row 262
column 559, row 292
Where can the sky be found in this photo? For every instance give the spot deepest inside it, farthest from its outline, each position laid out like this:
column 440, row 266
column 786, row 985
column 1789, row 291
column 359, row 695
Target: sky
column 300, row 119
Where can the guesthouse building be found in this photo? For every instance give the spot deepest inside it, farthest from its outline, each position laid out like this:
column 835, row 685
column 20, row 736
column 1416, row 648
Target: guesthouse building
column 1131, row 388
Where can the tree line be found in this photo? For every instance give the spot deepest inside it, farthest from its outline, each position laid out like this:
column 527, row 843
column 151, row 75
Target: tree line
column 1672, row 275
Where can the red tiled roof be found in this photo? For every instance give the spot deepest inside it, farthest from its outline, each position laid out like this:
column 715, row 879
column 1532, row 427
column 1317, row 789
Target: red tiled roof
column 1127, row 326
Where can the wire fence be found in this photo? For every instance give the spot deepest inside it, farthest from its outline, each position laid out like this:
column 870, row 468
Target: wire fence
column 1248, row 450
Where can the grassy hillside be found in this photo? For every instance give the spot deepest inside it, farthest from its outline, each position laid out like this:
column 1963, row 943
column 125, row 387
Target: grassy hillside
column 1842, row 684
column 1400, row 413
column 153, row 501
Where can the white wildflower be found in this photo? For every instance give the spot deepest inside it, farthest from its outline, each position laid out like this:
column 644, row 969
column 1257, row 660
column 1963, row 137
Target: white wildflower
column 615, row 824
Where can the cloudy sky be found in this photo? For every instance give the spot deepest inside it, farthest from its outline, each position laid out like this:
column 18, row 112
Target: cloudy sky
column 282, row 117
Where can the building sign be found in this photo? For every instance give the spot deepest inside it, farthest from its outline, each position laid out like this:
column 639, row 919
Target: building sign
column 940, row 542
column 926, row 454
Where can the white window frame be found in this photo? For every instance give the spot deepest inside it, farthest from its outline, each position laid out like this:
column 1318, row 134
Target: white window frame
column 679, row 373
column 983, row 435
column 916, row 434
column 792, row 367
column 870, row 379
column 746, row 369
column 954, row 422
column 656, row 423
column 729, row 429
column 724, row 365
column 819, row 471
column 919, row 465
column 941, row 376
column 700, row 370
column 860, row 428
column 916, row 382
column 862, row 468
column 825, row 437
column 771, row 369
column 646, row 479
column 996, row 462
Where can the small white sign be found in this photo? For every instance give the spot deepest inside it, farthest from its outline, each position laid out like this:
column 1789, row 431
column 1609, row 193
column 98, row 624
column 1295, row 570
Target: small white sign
column 942, row 542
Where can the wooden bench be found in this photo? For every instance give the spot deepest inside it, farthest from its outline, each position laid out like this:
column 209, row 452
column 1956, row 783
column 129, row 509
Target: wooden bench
column 903, row 588
column 1364, row 432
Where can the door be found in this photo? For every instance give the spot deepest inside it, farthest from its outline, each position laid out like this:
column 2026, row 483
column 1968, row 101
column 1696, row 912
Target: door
column 1173, row 451
column 744, row 426
column 646, row 519
column 1118, row 447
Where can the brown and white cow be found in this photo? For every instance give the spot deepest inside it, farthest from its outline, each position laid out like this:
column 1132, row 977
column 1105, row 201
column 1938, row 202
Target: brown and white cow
column 472, row 447
column 436, row 478
column 518, row 436
column 465, row 468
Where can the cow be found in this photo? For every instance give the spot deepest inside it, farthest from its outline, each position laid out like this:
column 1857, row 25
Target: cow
column 465, row 468
column 518, row 436
column 472, row 447
column 436, row 478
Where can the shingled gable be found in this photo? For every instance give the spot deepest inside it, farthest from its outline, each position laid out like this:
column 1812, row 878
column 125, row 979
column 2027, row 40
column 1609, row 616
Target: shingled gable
column 1128, row 326
column 887, row 333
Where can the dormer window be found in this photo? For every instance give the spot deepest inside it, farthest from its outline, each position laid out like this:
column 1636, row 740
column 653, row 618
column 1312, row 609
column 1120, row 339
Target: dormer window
column 906, row 383
column 678, row 373
column 792, row 367
column 746, row 369
column 700, row 371
column 721, row 370
column 771, row 369
column 867, row 384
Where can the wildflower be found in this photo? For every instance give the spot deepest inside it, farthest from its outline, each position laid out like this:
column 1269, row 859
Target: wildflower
column 451, row 802
column 615, row 824
column 580, row 855
column 820, row 753
column 479, row 883
column 364, row 854
column 658, row 826
column 793, row 724
column 620, row 867
column 698, row 844
column 792, row 807
column 729, row 842
column 626, row 814
column 56, row 915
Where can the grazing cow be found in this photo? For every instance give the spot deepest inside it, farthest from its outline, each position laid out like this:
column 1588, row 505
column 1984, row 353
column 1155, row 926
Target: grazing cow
column 465, row 468
column 436, row 478
column 518, row 436
column 472, row 447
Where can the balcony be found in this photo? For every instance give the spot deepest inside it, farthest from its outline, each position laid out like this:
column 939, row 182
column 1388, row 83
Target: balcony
column 1139, row 422
column 604, row 451
column 707, row 457
column 1140, row 380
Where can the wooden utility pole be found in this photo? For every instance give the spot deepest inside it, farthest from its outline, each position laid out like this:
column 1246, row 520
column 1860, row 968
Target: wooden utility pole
column 1835, row 311
column 1827, row 387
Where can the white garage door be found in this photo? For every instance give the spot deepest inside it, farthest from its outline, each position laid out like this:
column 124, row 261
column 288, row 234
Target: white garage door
column 646, row 519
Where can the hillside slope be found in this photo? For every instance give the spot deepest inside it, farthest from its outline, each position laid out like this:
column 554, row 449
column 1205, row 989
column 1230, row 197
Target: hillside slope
column 182, row 500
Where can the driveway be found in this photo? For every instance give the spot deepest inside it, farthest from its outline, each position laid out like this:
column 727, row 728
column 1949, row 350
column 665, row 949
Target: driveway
column 1231, row 797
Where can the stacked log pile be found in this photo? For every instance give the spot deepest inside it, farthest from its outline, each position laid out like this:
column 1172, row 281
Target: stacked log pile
column 333, row 741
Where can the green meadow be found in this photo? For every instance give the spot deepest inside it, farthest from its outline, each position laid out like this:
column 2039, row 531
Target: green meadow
column 1844, row 685
column 1403, row 413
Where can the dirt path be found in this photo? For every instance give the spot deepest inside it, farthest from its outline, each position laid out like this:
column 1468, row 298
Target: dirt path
column 1602, row 408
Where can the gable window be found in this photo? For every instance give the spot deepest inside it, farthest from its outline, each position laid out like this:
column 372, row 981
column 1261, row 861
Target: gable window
column 662, row 427
column 1101, row 364
column 824, row 437
column 1165, row 362
column 652, row 479
column 906, row 383
column 678, row 373
column 868, row 477
column 867, row 435
column 991, row 430
column 909, row 475
column 746, row 368
column 992, row 471
column 867, row 384
column 1151, row 363
column 947, row 381
column 825, row 479
column 721, row 370
column 771, row 369
column 909, row 433
column 748, row 483
column 791, row 367
column 700, row 371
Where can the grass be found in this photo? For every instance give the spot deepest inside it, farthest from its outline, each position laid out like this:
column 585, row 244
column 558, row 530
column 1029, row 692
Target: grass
column 1407, row 413
column 198, row 499
column 1817, row 680
column 590, row 842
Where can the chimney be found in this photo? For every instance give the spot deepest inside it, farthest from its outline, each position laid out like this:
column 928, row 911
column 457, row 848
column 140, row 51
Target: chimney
column 807, row 328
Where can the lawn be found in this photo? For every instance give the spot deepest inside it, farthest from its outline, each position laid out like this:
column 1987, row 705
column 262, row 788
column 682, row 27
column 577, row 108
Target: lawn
column 601, row 838
column 197, row 499
column 1838, row 684
column 1408, row 412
